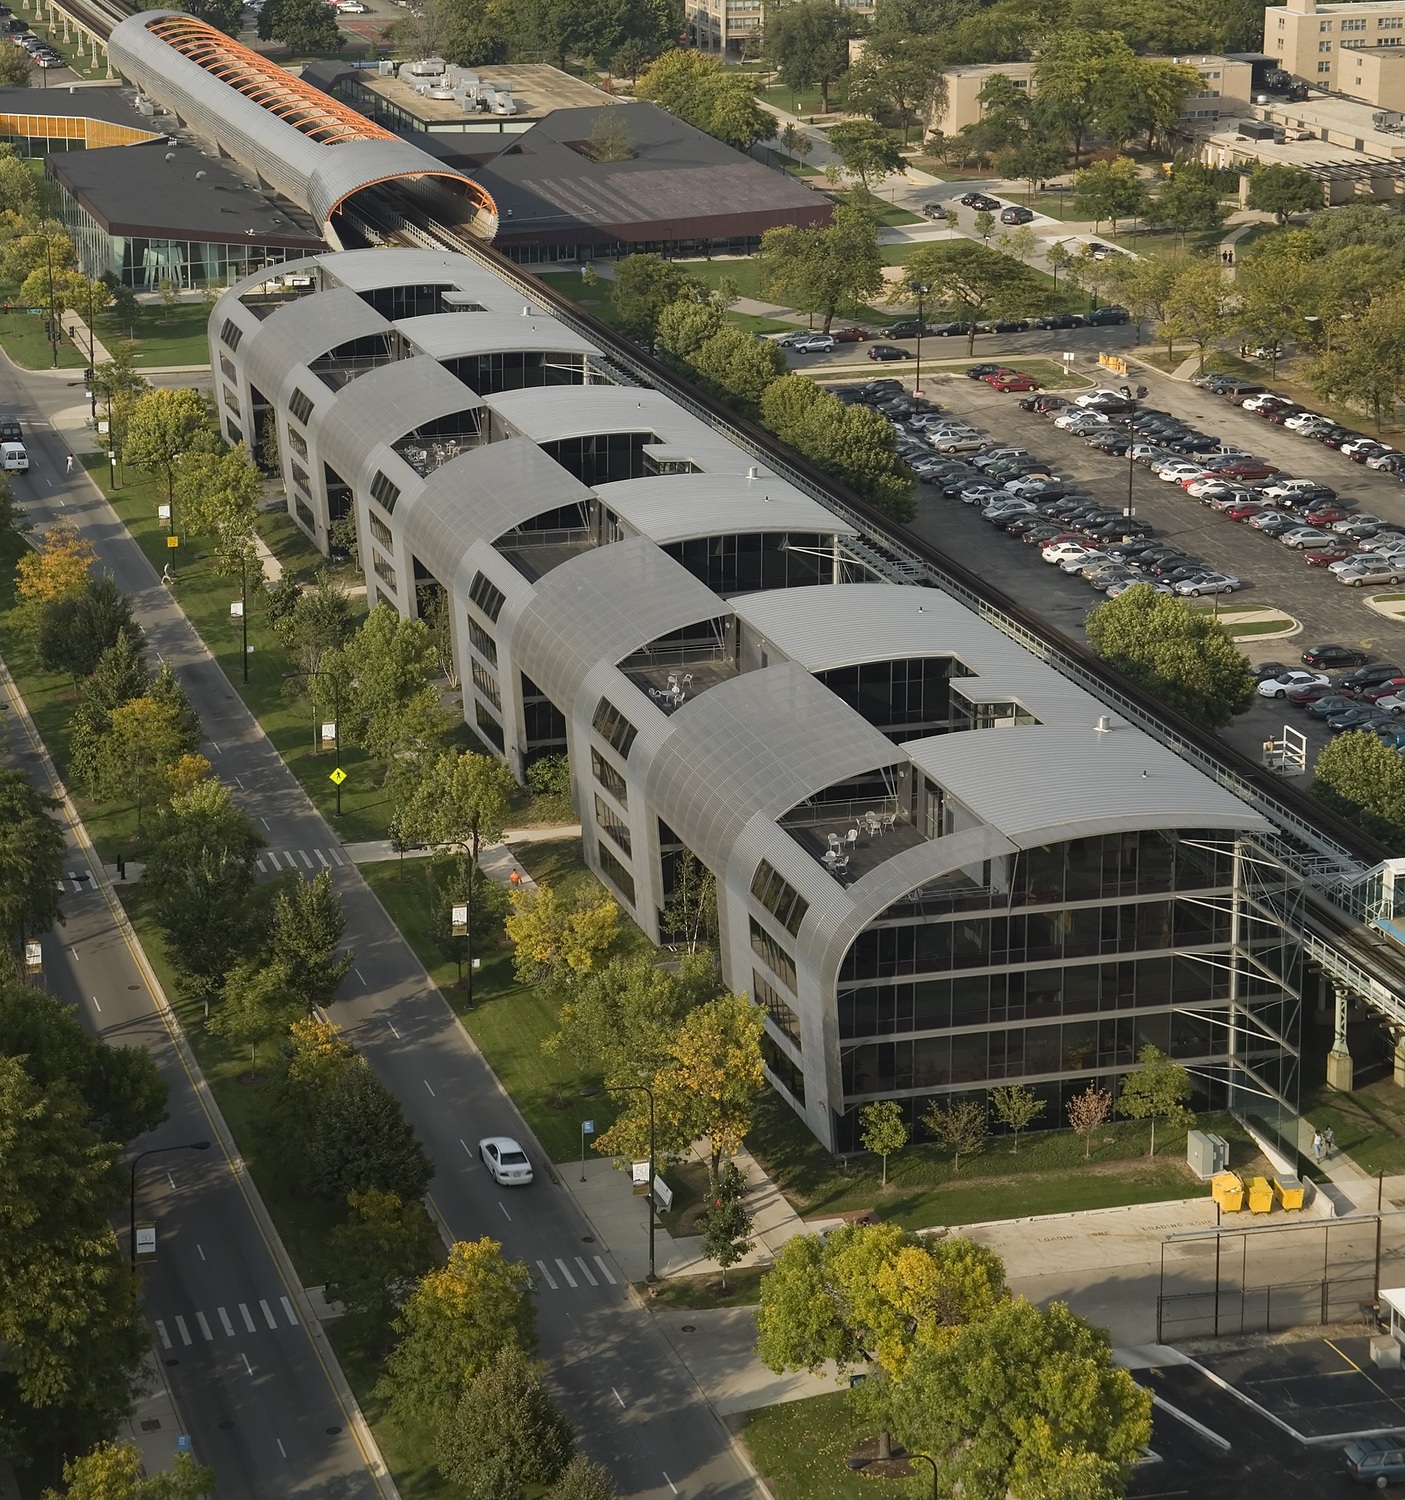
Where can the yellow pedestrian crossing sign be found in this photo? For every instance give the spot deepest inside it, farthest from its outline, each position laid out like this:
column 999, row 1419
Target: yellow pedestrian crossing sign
column 337, row 777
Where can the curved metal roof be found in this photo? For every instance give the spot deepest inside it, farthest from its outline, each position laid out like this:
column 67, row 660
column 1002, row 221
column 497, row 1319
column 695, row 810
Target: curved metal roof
column 309, row 147
column 458, row 335
column 675, row 507
column 305, row 329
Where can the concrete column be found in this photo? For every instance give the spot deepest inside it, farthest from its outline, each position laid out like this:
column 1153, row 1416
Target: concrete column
column 1400, row 1060
column 1340, row 1071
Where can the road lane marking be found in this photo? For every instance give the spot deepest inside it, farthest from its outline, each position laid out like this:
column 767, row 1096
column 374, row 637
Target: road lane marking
column 360, row 976
column 272, row 859
column 508, row 1217
column 565, row 1271
column 288, row 1308
column 172, row 1181
column 201, row 1249
column 264, row 821
column 549, row 1280
column 268, row 1314
column 605, row 1270
column 239, row 783
column 671, row 1484
column 432, row 1094
column 218, row 751
column 164, row 1336
column 393, row 1031
column 585, row 1271
column 258, row 865
column 248, row 1321
column 248, row 1368
column 336, row 858
column 465, row 1146
column 184, row 1332
column 224, row 1318
column 204, row 1326
column 95, row 1002
column 617, row 1396
column 323, row 858
column 302, row 854
column 281, row 1448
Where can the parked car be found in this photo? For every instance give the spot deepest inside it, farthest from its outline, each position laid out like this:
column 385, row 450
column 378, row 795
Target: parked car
column 850, row 335
column 1363, row 677
column 1324, row 557
column 814, row 343
column 933, row 211
column 1333, row 656
column 979, row 372
column 1302, row 537
column 1208, row 583
column 1359, row 576
column 981, row 202
column 1102, row 317
column 1061, row 320
column 1287, row 682
column 1012, row 381
column 887, row 352
column 1016, row 215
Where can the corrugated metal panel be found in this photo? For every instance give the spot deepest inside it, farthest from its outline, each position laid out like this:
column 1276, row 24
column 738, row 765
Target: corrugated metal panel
column 304, row 330
column 453, row 335
column 672, row 507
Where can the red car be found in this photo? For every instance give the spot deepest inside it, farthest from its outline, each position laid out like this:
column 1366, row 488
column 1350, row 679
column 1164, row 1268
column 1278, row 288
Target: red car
column 1301, row 697
column 849, row 335
column 1326, row 515
column 1012, row 383
column 1379, row 690
column 1249, row 469
column 1325, row 557
column 1243, row 512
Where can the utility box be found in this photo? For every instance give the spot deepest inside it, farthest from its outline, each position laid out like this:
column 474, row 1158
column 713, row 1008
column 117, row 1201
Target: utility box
column 1290, row 1191
column 1206, row 1154
column 1385, row 1352
column 1260, row 1196
column 1228, row 1192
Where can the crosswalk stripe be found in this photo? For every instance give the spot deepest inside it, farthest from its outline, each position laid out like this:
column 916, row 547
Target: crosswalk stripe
column 204, row 1326
column 272, row 859
column 268, row 1314
column 228, row 1326
column 565, row 1271
column 288, row 1308
column 336, row 858
column 184, row 1332
column 259, row 866
column 585, row 1271
column 164, row 1336
column 302, row 854
column 323, row 858
column 248, row 1321
column 547, row 1274
column 77, row 884
column 605, row 1270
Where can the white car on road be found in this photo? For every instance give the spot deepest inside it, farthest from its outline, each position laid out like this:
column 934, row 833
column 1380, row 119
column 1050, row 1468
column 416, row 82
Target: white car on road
column 505, row 1160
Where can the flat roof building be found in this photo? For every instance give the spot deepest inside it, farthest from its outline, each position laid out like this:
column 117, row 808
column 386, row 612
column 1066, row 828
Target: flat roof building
column 919, row 906
column 1319, row 43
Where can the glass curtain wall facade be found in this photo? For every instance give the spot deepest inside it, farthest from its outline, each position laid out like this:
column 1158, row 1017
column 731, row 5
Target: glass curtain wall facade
column 1093, row 949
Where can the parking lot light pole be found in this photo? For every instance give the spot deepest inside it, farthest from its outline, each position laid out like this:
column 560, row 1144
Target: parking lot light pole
column 927, row 1459
column 132, row 1193
column 919, row 290
column 1131, row 509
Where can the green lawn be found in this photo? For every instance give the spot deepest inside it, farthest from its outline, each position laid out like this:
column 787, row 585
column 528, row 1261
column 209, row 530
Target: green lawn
column 799, row 1448
column 509, row 1021
column 72, row 51
column 888, row 213
column 1049, row 1174
column 159, row 339
column 697, row 1293
column 1369, row 1124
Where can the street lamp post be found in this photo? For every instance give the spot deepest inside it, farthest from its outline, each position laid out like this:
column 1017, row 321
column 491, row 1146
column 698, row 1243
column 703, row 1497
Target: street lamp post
column 927, row 1459
column 92, row 360
column 336, row 719
column 132, row 1193
column 919, row 290
column 244, row 612
column 1131, row 508
column 642, row 1088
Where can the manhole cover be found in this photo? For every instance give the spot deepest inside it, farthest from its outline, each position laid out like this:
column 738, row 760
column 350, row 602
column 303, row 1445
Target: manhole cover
column 690, row 1328
column 587, row 1239
column 224, row 1426
column 333, row 1431
column 151, row 1424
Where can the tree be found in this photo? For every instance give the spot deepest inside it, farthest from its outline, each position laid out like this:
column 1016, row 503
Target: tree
column 610, row 138
column 504, row 1434
column 15, row 69
column 552, row 935
column 1109, row 190
column 163, row 426
column 1032, row 161
column 316, row 621
column 31, row 860
column 1365, row 364
column 644, row 285
column 1067, row 74
column 870, row 1292
column 113, row 1471
column 219, row 496
column 738, row 366
column 307, row 27
column 1025, row 1403
column 582, row 1480
column 1197, row 307
column 899, row 74
column 1175, row 652
column 686, row 325
column 1142, row 96
column 1088, row 1112
column 985, row 224
column 1187, row 201
column 634, row 55
column 807, row 43
column 144, row 737
column 883, row 1130
column 1016, row 1107
column 712, row 98
column 1144, row 285
column 74, row 631
column 118, row 677
column 975, row 282
column 42, row 244
column 1056, row 257
column 959, row 1126
column 821, row 270
column 377, row 1256
column 258, row 1005
column 454, row 1323
column 1282, row 190
column 1362, row 778
column 165, row 688
column 1158, row 1088
column 57, row 568
column 865, row 150
column 360, row 1139
column 308, row 927
column 726, row 1223
column 689, row 916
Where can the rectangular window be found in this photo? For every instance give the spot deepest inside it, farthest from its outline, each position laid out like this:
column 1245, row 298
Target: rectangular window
column 300, row 477
column 236, row 434
column 384, row 493
column 301, row 406
column 1390, row 23
column 487, row 596
column 1324, row 25
column 1323, row 47
column 770, row 951
column 381, row 531
column 779, row 898
column 482, row 642
column 298, row 441
column 1324, row 67
column 230, row 334
column 305, row 514
column 612, row 727
column 1353, row 25
column 488, row 725
column 230, row 399
column 487, row 684
column 227, row 366
column 383, row 568
column 782, row 1068
column 615, row 872
column 610, row 822
column 769, row 998
column 608, row 777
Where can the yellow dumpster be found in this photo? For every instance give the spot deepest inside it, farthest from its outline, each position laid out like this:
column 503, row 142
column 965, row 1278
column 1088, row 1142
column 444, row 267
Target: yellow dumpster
column 1227, row 1189
column 1260, row 1196
column 1290, row 1191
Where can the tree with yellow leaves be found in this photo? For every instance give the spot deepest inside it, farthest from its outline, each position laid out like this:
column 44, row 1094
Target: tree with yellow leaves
column 57, row 568
column 183, row 775
column 113, row 1471
column 555, row 937
column 145, row 737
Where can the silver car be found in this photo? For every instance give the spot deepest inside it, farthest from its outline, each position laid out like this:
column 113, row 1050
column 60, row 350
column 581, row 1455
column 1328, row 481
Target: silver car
column 1383, row 572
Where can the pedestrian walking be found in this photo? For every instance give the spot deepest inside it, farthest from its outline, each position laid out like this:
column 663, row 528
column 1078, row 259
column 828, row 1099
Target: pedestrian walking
column 1230, row 253
column 1329, row 1141
column 68, row 464
column 1317, row 1146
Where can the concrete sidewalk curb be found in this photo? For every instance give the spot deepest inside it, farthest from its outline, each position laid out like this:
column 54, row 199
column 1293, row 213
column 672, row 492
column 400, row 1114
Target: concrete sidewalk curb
column 322, row 1349
column 1208, row 1433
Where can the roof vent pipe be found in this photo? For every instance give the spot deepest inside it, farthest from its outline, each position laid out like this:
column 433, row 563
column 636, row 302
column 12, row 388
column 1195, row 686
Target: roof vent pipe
column 750, row 474
column 1104, row 725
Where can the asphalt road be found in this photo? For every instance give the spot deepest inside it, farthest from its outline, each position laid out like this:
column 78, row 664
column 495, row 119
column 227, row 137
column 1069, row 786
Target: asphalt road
column 637, row 1409
column 1040, row 343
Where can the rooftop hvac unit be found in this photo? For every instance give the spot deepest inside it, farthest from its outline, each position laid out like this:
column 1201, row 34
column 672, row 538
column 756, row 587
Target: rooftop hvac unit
column 145, row 107
column 385, row 69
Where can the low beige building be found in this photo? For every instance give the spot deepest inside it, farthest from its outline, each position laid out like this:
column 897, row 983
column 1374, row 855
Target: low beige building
column 726, row 26
column 1226, row 87
column 1354, row 49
